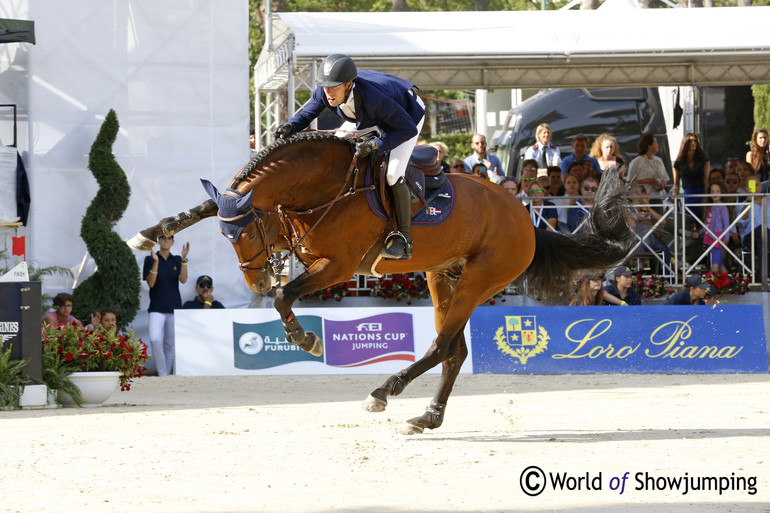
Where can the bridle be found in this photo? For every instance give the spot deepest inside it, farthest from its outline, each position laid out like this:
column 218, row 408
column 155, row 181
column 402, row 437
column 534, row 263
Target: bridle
column 274, row 264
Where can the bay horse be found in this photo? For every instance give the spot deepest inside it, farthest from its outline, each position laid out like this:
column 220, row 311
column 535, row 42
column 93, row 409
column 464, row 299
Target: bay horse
column 304, row 195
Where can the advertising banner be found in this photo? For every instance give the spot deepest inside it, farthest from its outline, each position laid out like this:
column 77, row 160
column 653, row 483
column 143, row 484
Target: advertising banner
column 253, row 341
column 635, row 339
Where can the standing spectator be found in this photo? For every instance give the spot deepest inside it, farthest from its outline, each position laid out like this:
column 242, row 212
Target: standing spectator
column 571, row 191
column 621, row 293
column 541, row 211
column 605, row 150
column 544, row 151
column 510, row 185
column 731, row 165
column 692, row 167
column 579, row 149
column 759, row 155
column 457, row 166
column 575, row 216
column 163, row 273
column 694, row 291
column 717, row 220
column 480, row 156
column 204, row 286
column 62, row 311
column 647, row 168
column 590, row 292
column 443, row 151
column 750, row 222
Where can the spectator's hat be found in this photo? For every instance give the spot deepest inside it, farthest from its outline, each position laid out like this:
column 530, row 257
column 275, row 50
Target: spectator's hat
column 711, row 290
column 204, row 278
column 624, row 271
column 696, row 280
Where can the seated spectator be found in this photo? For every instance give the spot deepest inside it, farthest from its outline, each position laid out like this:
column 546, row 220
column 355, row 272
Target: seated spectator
column 717, row 175
column 621, row 293
column 605, row 150
column 545, row 183
column 204, row 286
column 510, row 185
column 579, row 153
column 457, row 166
column 443, row 151
column 571, row 191
column 575, row 216
column 577, row 170
column 732, row 182
column 711, row 296
column 554, row 174
column 694, row 291
column 744, row 171
column 541, row 211
column 528, row 175
column 107, row 318
column 544, row 151
column 642, row 218
column 647, row 168
column 62, row 310
column 590, row 291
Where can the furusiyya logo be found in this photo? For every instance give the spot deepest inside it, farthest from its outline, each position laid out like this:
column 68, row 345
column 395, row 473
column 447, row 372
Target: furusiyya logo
column 264, row 345
column 8, row 331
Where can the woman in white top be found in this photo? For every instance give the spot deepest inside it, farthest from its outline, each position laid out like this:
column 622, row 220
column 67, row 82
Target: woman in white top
column 647, row 168
column 544, row 152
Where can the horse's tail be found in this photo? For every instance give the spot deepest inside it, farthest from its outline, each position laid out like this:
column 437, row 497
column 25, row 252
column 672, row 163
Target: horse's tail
column 559, row 257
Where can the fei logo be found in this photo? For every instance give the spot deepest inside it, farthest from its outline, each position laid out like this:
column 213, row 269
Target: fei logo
column 264, row 345
column 520, row 338
column 369, row 340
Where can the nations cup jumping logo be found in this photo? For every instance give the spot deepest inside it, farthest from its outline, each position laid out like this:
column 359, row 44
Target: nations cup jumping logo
column 521, row 338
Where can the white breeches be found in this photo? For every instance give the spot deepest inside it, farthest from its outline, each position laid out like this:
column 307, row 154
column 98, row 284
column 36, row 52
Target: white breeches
column 161, row 327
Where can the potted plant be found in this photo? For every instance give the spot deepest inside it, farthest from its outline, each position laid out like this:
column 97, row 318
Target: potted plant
column 12, row 380
column 70, row 349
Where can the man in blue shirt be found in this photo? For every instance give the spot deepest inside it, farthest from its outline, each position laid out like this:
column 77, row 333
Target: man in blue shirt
column 370, row 100
column 579, row 148
column 480, row 156
column 695, row 290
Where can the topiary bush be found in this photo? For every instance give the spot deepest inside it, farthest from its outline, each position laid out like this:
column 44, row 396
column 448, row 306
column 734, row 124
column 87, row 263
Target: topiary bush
column 116, row 282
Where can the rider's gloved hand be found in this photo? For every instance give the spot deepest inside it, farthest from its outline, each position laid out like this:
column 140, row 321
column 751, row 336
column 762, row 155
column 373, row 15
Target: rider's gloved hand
column 284, row 131
column 364, row 148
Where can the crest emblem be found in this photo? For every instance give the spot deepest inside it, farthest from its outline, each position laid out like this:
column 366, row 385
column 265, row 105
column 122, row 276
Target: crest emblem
column 521, row 338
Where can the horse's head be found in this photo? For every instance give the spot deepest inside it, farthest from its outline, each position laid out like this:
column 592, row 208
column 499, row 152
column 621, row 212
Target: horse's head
column 242, row 224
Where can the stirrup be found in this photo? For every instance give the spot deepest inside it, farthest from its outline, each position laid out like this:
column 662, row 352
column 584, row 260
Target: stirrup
column 399, row 249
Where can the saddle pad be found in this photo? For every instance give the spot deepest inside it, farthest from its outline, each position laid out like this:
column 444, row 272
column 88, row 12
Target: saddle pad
column 441, row 201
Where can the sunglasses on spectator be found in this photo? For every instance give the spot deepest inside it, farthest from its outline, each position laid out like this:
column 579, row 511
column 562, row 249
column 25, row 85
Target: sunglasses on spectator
column 732, row 181
column 528, row 179
column 590, row 188
column 533, row 191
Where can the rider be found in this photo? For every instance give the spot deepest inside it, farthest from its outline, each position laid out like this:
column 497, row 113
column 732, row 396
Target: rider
column 368, row 99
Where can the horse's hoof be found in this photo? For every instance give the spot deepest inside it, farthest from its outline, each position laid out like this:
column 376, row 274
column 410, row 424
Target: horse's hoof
column 373, row 404
column 140, row 243
column 317, row 349
column 410, row 429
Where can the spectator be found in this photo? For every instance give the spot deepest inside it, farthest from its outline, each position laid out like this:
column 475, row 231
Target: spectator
column 579, row 148
column 554, row 174
column 252, row 144
column 62, row 311
column 571, row 191
column 717, row 174
column 692, row 167
column 605, row 150
column 163, row 273
column 621, row 293
column 541, row 211
column 575, row 215
column 544, row 151
column 711, row 295
column 480, row 156
column 107, row 318
column 642, row 219
column 694, row 291
column 731, row 165
column 204, row 286
column 528, row 175
column 545, row 183
column 510, row 185
column 577, row 170
column 732, row 182
column 750, row 222
column 717, row 220
column 647, row 168
column 759, row 155
column 443, row 151
column 590, row 291
column 457, row 166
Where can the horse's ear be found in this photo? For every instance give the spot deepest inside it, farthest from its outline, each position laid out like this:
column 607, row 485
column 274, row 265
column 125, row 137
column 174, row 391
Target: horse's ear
column 211, row 190
column 244, row 203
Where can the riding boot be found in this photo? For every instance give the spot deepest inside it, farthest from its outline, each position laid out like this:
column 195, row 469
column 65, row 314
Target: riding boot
column 401, row 246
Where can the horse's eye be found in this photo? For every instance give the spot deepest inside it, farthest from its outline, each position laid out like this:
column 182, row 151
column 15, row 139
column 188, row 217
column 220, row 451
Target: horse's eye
column 251, row 235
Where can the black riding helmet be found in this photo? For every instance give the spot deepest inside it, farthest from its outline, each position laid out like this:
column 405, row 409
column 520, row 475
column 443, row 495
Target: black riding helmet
column 337, row 69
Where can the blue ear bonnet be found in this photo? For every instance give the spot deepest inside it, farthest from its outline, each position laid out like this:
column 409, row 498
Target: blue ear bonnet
column 230, row 207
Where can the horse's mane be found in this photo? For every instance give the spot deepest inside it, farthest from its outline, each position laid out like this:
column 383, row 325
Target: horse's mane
column 256, row 166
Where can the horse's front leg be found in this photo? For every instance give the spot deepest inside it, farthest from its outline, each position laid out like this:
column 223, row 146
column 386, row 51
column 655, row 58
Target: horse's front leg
column 320, row 275
column 146, row 239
